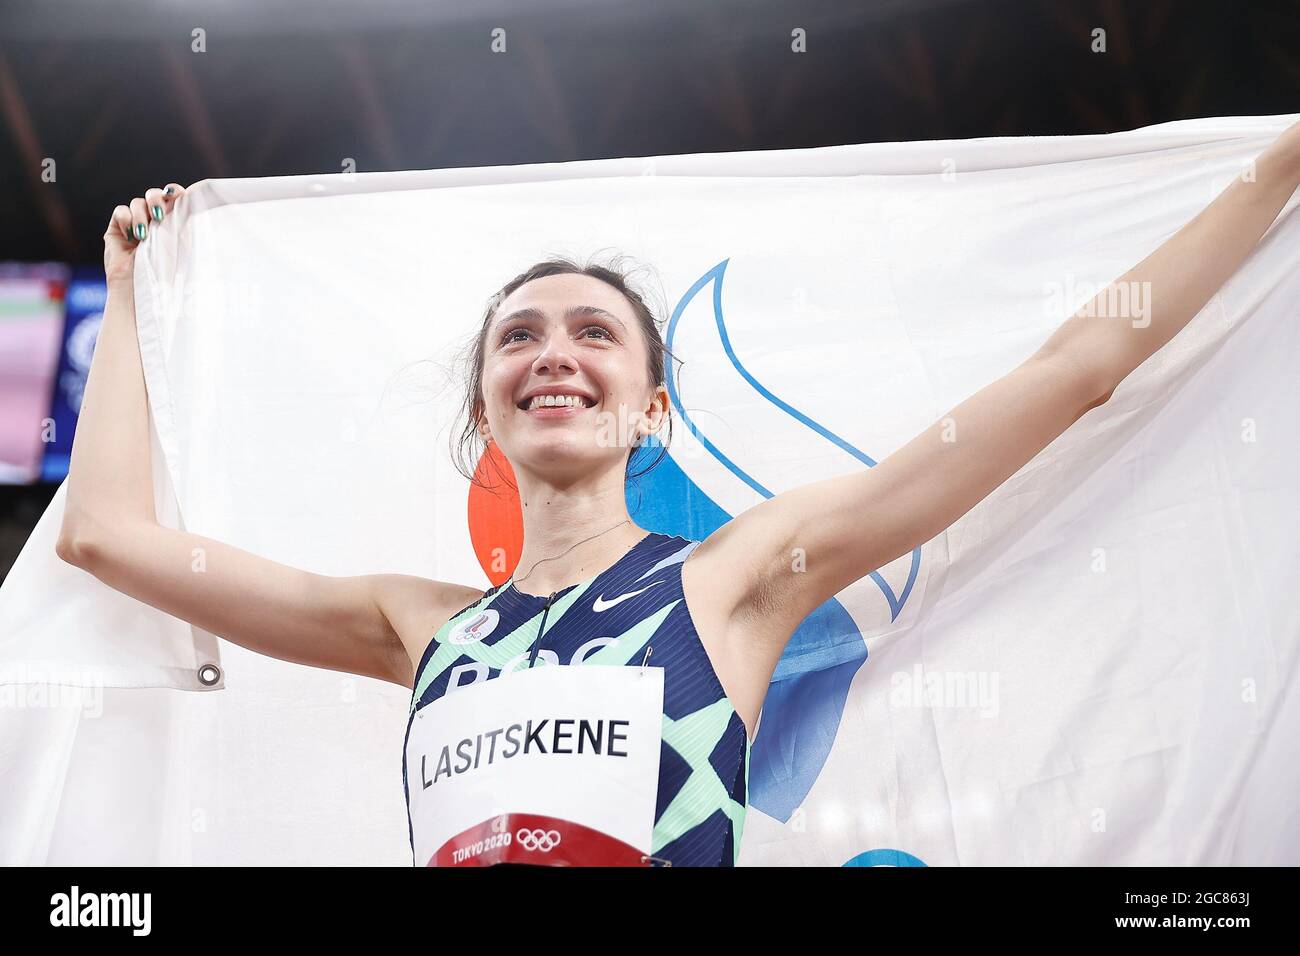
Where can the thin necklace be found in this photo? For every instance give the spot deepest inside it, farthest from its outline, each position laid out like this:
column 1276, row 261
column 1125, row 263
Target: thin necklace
column 572, row 546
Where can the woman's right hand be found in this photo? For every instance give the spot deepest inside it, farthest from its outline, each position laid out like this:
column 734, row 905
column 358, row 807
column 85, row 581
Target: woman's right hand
column 129, row 226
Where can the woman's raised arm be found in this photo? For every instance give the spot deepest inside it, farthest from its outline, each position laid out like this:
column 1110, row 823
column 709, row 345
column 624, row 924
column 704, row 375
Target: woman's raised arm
column 848, row 526
column 373, row 625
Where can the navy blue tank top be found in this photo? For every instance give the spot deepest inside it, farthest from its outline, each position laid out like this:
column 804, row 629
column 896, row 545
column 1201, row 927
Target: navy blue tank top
column 632, row 613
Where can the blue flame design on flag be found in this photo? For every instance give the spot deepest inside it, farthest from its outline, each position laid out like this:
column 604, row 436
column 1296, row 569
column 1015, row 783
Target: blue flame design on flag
column 805, row 702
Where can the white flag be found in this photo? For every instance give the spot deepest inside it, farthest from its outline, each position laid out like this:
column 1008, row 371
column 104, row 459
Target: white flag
column 1090, row 667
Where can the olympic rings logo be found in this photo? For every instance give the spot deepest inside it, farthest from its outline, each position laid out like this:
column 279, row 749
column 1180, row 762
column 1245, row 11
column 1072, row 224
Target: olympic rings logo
column 543, row 840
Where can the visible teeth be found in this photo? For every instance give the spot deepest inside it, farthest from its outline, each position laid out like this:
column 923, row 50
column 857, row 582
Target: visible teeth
column 547, row 401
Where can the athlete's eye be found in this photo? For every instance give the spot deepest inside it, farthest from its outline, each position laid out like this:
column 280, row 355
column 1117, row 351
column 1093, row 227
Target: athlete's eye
column 509, row 337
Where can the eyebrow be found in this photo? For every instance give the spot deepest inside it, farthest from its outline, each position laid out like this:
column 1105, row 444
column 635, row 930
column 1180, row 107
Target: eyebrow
column 573, row 311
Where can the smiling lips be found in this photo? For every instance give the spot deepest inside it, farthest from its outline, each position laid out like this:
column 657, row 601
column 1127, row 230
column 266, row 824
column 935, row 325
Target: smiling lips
column 555, row 411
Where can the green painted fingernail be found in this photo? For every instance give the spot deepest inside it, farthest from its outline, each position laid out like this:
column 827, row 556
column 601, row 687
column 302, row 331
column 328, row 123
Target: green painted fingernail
column 140, row 230
column 158, row 213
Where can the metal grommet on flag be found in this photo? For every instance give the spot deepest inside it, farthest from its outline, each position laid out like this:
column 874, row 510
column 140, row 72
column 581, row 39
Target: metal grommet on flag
column 209, row 674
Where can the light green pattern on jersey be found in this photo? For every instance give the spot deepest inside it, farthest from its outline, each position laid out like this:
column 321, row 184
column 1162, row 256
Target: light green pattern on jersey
column 496, row 655
column 628, row 644
column 693, row 736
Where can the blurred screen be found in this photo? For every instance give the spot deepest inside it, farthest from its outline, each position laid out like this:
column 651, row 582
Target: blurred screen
column 86, row 293
column 31, row 338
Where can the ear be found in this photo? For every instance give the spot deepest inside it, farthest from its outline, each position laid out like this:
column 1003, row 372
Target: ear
column 655, row 414
column 483, row 428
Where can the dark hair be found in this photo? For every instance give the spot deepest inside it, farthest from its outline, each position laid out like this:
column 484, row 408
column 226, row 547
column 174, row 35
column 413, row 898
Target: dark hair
column 467, row 449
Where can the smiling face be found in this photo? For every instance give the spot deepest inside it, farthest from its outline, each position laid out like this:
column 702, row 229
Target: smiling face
column 565, row 382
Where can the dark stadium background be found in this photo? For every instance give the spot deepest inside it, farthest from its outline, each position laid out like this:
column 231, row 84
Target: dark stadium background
column 114, row 93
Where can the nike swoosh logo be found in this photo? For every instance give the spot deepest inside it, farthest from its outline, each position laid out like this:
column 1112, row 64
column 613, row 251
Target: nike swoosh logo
column 603, row 605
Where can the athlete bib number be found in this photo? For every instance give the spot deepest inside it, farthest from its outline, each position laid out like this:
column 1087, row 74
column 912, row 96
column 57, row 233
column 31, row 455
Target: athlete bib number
column 555, row 765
